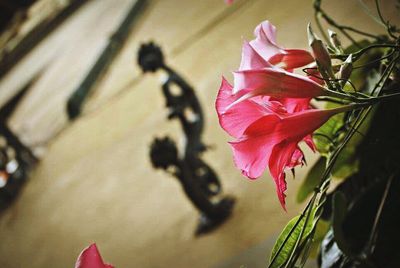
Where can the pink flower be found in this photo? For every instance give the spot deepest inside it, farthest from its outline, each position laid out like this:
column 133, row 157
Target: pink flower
column 273, row 141
column 268, row 131
column 256, row 76
column 268, row 109
column 229, row 2
column 277, row 83
column 265, row 45
column 238, row 117
column 90, row 258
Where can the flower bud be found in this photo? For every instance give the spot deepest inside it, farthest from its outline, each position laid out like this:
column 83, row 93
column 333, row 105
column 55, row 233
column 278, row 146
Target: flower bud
column 346, row 68
column 335, row 40
column 321, row 54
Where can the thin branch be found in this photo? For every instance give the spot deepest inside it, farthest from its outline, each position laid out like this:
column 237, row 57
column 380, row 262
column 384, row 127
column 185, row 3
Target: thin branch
column 369, row 13
column 388, row 26
column 358, row 54
column 386, row 74
column 375, row 61
column 370, row 246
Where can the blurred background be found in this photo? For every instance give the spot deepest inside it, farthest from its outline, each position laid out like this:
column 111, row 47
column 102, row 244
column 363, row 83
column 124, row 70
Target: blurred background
column 90, row 179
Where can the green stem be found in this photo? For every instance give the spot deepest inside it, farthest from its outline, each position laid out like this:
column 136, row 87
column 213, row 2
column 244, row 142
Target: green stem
column 370, row 246
column 340, row 95
column 358, row 54
column 309, row 206
column 333, row 100
column 291, row 263
column 373, row 100
column 385, row 75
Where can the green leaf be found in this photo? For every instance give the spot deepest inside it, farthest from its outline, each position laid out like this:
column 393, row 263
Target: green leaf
column 372, row 79
column 324, row 136
column 311, row 180
column 339, row 214
column 347, row 163
column 320, row 232
column 288, row 247
column 355, row 47
column 327, row 133
column 364, row 79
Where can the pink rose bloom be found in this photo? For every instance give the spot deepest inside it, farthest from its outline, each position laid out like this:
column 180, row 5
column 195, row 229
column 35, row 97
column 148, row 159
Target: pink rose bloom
column 90, row 258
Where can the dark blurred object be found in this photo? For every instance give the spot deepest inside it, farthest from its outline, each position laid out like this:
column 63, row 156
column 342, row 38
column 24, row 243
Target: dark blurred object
column 117, row 39
column 379, row 168
column 183, row 105
column 13, row 171
column 163, row 153
column 197, row 187
column 15, row 47
column 150, row 57
column 16, row 160
column 9, row 8
column 198, row 180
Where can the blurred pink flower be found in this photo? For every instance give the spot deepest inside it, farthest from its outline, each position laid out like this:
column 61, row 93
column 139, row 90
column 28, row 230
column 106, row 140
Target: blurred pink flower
column 90, row 258
column 229, row 2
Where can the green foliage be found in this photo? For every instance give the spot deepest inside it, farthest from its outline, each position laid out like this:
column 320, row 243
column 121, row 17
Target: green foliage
column 355, row 47
column 312, row 180
column 339, row 214
column 347, row 162
column 325, row 136
column 289, row 244
column 320, row 232
column 372, row 79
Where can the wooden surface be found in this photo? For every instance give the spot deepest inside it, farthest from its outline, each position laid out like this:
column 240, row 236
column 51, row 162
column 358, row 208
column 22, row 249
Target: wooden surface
column 95, row 181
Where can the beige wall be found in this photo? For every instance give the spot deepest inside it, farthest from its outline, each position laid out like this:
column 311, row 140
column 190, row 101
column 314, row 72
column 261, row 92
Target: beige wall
column 95, row 182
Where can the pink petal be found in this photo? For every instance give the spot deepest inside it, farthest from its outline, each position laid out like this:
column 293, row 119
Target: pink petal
column 90, row 258
column 310, row 142
column 265, row 42
column 272, row 140
column 292, row 58
column 266, row 47
column 251, row 59
column 251, row 154
column 268, row 30
column 297, row 158
column 314, row 75
column 281, row 158
column 296, row 126
column 235, row 120
column 276, row 83
column 293, row 105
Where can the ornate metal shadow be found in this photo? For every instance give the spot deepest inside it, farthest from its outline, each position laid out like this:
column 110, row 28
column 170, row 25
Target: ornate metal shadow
column 199, row 181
